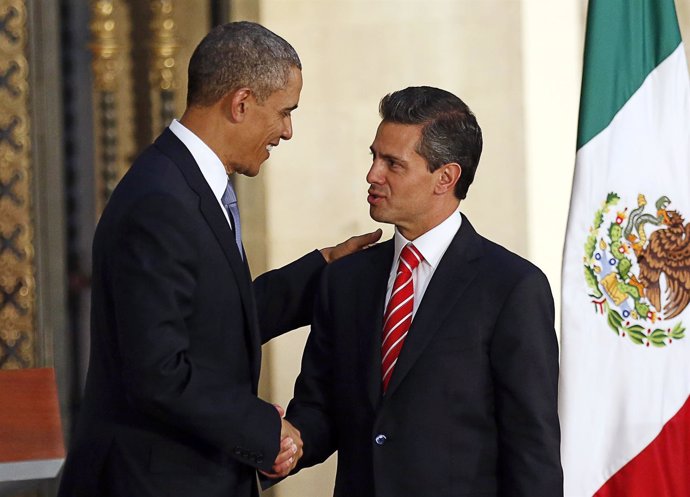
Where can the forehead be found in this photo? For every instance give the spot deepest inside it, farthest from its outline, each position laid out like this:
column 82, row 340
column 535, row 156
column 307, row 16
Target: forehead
column 288, row 96
column 396, row 138
column 294, row 84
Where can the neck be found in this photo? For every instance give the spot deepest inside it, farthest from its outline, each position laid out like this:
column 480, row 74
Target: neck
column 208, row 125
column 431, row 220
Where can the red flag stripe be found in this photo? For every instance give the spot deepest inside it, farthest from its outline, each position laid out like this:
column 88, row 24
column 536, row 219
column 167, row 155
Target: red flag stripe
column 662, row 469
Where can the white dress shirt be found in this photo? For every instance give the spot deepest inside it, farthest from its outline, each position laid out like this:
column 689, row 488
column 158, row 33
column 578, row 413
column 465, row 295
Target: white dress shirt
column 432, row 245
column 206, row 159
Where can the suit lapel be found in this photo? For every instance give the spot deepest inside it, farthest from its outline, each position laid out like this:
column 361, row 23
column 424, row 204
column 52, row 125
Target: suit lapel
column 171, row 146
column 369, row 312
column 455, row 272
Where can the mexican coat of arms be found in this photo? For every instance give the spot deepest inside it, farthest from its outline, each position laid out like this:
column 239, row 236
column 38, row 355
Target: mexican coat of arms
column 637, row 269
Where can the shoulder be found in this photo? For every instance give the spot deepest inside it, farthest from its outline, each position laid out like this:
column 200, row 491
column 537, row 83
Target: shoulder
column 499, row 264
column 507, row 261
column 362, row 261
column 153, row 187
column 154, row 174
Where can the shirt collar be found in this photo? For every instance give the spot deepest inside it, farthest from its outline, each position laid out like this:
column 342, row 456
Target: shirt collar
column 206, row 159
column 432, row 244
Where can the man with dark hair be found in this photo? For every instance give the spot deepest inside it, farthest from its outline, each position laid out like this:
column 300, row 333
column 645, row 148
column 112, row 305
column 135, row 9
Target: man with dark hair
column 170, row 406
column 432, row 363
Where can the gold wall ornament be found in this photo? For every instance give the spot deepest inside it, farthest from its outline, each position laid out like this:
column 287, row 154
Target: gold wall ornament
column 104, row 45
column 18, row 340
column 106, row 65
column 164, row 47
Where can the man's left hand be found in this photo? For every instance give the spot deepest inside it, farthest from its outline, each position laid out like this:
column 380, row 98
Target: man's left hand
column 351, row 245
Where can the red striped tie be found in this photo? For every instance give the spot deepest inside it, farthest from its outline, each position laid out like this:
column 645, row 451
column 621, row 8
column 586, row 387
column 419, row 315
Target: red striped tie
column 398, row 315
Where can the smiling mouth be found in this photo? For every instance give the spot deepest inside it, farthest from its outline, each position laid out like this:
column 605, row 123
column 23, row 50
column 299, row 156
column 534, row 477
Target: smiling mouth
column 269, row 147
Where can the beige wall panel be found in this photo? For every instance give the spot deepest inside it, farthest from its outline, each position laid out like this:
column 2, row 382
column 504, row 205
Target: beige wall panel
column 353, row 54
column 553, row 41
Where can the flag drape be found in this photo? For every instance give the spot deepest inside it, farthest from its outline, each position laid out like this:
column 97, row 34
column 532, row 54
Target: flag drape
column 625, row 359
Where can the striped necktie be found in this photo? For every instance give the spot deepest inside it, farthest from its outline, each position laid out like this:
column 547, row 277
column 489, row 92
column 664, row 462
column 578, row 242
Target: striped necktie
column 398, row 315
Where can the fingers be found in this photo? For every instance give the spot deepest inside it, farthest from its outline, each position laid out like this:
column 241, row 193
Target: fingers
column 351, row 245
column 290, row 448
column 286, row 456
column 290, row 432
column 286, row 459
column 290, row 451
column 362, row 241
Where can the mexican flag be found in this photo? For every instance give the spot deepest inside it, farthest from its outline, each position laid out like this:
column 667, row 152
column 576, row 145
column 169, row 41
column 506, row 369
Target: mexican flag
column 625, row 357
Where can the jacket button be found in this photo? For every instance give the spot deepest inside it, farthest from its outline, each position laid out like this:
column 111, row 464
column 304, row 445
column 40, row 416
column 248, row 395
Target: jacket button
column 380, row 439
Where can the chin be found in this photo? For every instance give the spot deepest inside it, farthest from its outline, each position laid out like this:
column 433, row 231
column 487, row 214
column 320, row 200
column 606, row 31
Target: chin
column 250, row 170
column 377, row 215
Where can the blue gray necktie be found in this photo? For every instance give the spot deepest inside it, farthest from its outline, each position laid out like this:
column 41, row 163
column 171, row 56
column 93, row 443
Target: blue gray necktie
column 229, row 200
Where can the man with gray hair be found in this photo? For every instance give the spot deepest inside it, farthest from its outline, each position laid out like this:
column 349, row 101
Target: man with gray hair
column 170, row 406
column 432, row 364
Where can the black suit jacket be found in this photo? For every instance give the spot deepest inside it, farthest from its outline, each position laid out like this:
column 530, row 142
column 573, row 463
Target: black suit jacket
column 170, row 406
column 471, row 408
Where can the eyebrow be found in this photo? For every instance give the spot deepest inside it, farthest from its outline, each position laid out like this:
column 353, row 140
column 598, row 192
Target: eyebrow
column 388, row 157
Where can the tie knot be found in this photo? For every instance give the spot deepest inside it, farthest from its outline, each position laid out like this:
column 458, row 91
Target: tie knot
column 229, row 196
column 410, row 258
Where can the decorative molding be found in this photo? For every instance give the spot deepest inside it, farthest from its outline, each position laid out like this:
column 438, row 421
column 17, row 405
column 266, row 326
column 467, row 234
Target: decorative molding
column 18, row 340
column 164, row 47
column 106, row 66
column 104, row 45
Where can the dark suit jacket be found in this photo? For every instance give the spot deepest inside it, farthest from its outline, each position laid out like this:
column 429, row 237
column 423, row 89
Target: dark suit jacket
column 471, row 408
column 170, row 406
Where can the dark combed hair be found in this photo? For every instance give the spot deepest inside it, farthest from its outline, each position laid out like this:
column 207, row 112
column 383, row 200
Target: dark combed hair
column 237, row 55
column 450, row 132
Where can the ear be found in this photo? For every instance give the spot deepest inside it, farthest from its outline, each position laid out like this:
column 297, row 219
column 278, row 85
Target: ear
column 235, row 104
column 448, row 176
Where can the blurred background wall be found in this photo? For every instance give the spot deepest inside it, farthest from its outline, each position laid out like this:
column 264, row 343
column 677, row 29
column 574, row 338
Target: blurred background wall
column 84, row 86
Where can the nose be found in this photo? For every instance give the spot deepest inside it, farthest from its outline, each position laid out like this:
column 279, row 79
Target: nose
column 287, row 129
column 374, row 175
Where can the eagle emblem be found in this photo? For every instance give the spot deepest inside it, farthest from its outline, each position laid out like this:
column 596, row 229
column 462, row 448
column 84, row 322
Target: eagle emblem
column 637, row 269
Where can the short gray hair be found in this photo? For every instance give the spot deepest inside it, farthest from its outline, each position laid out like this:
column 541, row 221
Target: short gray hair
column 237, row 55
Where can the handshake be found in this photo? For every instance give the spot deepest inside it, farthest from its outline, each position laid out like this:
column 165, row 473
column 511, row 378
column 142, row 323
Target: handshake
column 290, row 448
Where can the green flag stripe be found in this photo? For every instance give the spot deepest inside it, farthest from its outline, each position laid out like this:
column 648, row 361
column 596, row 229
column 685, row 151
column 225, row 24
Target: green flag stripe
column 626, row 40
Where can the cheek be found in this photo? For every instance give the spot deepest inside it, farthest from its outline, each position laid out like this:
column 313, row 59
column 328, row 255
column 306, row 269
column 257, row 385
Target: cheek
column 273, row 126
column 408, row 190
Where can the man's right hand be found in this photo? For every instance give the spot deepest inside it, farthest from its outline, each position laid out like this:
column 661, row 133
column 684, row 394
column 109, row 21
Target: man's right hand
column 290, row 449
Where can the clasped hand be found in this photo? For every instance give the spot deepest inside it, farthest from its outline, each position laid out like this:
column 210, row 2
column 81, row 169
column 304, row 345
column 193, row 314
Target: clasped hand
column 290, row 448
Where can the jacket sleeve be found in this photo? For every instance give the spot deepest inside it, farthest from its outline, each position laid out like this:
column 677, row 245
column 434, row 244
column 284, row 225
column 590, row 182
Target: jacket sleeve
column 285, row 296
column 312, row 408
column 152, row 284
column 524, row 359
